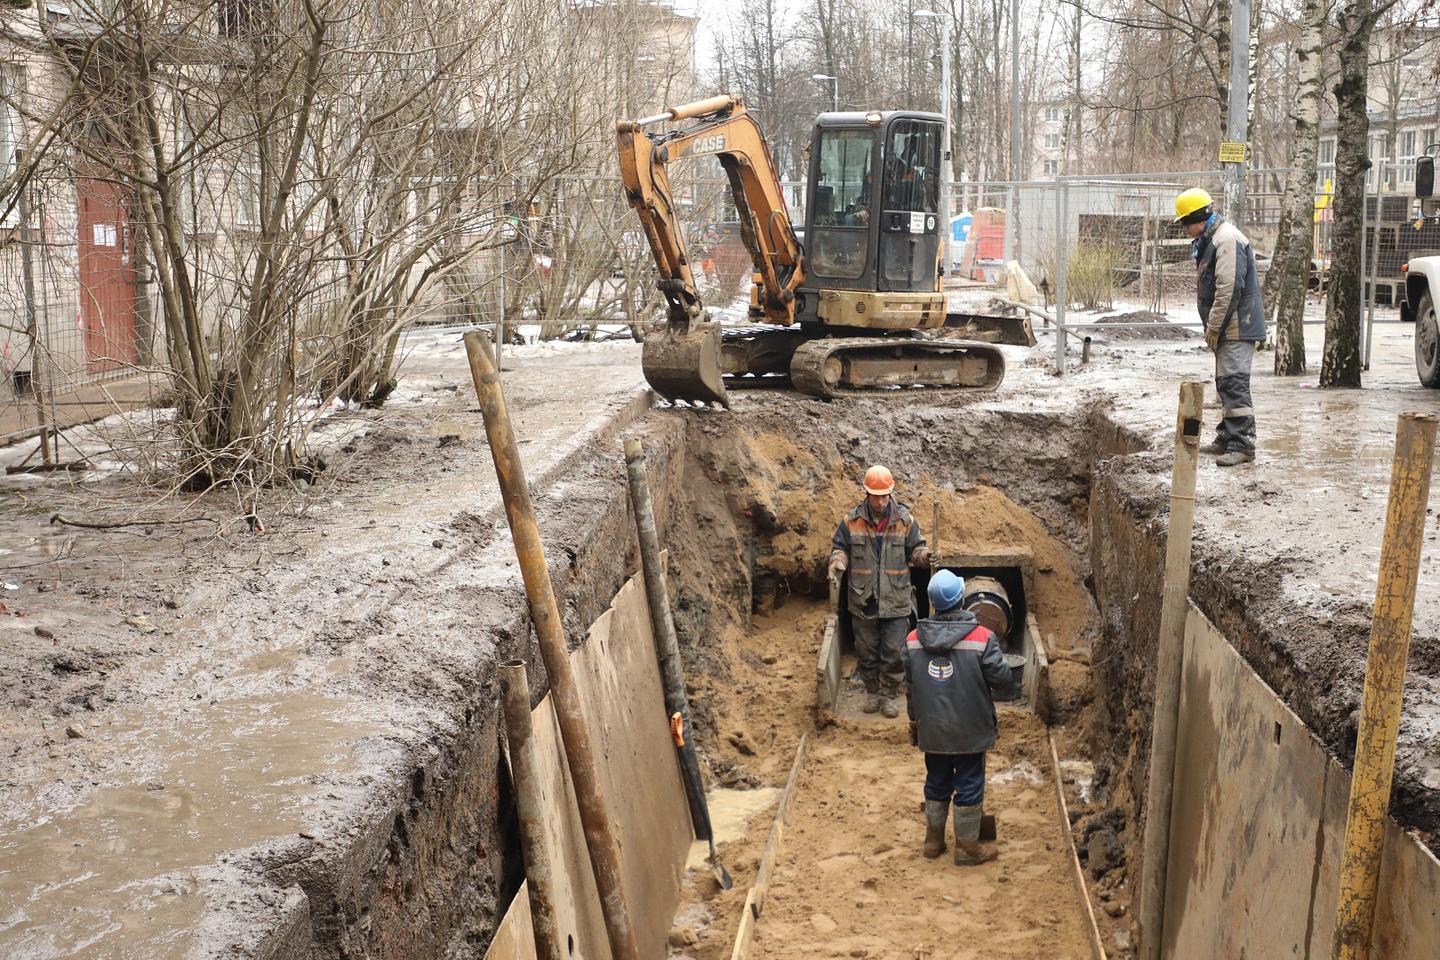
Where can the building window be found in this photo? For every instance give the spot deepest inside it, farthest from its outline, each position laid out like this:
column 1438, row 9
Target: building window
column 247, row 194
column 1052, row 141
column 1052, row 168
column 1407, row 157
column 1327, row 152
column 1052, row 114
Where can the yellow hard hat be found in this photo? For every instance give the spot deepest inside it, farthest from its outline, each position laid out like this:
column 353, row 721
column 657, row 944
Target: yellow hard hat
column 1189, row 202
column 879, row 481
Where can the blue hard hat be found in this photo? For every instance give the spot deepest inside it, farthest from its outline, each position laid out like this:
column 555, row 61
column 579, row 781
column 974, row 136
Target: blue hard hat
column 946, row 589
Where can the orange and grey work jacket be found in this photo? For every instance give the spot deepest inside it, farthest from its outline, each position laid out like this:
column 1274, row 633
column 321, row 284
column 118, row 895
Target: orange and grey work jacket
column 878, row 552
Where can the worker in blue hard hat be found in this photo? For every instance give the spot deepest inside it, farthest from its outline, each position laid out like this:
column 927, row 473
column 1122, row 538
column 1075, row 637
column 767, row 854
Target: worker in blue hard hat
column 954, row 670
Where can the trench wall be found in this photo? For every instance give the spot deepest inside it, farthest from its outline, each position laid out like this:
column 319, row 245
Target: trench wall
column 1259, row 825
column 619, row 684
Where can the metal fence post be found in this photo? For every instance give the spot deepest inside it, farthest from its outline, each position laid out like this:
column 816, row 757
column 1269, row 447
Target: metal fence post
column 500, row 323
column 1374, row 268
column 1062, row 214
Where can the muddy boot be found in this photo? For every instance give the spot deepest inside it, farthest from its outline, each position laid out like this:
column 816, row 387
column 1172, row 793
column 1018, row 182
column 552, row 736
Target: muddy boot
column 872, row 703
column 1236, row 457
column 889, row 708
column 1215, row 448
column 935, row 811
column 968, row 851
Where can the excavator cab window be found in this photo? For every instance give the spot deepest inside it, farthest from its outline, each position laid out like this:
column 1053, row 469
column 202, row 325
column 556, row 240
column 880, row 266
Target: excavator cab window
column 843, row 189
column 910, row 218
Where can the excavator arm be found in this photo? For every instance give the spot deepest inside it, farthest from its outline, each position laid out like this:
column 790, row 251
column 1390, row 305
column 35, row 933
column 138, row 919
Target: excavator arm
column 682, row 355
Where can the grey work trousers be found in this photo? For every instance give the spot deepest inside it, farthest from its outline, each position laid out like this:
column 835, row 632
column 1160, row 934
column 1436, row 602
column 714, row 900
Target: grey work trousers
column 1236, row 431
column 880, row 644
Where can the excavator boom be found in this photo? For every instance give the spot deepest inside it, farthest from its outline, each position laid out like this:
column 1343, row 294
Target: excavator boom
column 682, row 355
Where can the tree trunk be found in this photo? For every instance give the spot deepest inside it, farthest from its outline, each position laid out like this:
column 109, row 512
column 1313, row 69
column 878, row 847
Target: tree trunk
column 1340, row 366
column 1290, row 271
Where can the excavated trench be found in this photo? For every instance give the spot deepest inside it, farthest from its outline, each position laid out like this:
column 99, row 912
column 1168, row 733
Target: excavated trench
column 747, row 502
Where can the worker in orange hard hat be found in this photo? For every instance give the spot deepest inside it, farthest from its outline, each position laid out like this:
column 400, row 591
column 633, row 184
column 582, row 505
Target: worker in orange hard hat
column 877, row 543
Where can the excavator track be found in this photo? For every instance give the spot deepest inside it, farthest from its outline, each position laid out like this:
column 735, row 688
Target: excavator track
column 870, row 366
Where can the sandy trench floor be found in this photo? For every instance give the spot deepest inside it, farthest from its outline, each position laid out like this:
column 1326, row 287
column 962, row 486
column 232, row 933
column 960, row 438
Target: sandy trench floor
column 850, row 881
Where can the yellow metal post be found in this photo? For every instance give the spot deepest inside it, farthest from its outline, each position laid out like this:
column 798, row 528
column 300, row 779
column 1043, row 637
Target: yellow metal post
column 1384, row 684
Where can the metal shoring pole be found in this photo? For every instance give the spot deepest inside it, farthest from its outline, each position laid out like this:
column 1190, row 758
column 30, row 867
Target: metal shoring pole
column 1062, row 214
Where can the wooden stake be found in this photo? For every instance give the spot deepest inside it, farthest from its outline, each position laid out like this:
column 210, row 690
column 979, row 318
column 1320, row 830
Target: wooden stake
column 1169, row 657
column 1384, row 685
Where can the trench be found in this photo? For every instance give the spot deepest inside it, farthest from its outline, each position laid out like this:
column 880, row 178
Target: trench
column 746, row 503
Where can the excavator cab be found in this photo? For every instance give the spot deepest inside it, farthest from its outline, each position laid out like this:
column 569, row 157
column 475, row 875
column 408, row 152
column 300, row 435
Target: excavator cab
column 872, row 218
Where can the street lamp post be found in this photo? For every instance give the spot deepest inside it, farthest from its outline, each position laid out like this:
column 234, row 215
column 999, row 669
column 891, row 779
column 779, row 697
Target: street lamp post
column 945, row 165
column 834, row 88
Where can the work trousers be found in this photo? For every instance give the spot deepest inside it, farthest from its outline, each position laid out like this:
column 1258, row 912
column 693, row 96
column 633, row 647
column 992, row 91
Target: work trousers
column 1236, row 431
column 957, row 777
column 880, row 645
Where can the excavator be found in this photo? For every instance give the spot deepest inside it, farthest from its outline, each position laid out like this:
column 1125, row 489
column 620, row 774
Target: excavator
column 839, row 314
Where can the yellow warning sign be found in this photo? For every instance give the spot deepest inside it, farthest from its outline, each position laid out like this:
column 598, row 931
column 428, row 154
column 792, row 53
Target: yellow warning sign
column 1233, row 152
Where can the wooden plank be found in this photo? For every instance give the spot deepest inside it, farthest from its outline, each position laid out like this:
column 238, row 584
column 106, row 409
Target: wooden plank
column 1097, row 947
column 755, row 899
column 827, row 672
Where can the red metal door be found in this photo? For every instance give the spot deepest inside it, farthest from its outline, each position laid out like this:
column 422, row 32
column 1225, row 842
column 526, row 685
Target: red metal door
column 107, row 281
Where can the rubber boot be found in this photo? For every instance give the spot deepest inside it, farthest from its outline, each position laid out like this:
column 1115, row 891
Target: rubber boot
column 968, row 851
column 935, row 811
column 872, row 703
column 1215, row 448
column 889, row 707
column 1235, row 458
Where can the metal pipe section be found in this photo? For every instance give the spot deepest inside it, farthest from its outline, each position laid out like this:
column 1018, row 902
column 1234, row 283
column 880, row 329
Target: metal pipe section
column 600, row 839
column 1085, row 351
column 1170, row 652
column 1384, row 685
column 667, row 645
column 525, row 769
column 987, row 598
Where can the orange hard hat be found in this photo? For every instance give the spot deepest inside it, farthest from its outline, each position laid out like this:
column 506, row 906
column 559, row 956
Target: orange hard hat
column 879, row 480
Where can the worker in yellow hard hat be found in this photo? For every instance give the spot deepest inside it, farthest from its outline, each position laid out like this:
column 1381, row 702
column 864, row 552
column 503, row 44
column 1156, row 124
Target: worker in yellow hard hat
column 877, row 543
column 1227, row 293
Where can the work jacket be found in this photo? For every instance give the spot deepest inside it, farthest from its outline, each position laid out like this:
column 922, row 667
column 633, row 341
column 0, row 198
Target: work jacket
column 878, row 552
column 1227, row 285
column 953, row 670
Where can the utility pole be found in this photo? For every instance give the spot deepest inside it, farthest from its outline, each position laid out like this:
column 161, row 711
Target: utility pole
column 1234, row 152
column 943, row 19
column 1012, row 213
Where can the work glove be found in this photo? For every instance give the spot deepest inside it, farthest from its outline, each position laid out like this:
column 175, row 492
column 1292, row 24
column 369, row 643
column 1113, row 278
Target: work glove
column 921, row 557
column 1212, row 339
column 837, row 570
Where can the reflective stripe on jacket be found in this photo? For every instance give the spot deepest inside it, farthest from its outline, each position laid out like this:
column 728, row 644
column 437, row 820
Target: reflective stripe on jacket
column 1227, row 284
column 953, row 670
column 878, row 554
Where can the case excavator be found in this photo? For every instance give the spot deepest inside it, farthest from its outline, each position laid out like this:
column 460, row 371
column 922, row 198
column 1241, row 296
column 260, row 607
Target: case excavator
column 842, row 313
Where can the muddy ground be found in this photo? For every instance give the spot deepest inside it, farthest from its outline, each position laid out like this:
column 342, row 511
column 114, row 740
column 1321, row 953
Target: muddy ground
column 290, row 735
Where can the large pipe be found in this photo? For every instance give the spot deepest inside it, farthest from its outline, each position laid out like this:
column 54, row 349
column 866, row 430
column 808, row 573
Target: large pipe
column 524, row 768
column 667, row 644
column 1384, row 685
column 1169, row 658
column 545, row 614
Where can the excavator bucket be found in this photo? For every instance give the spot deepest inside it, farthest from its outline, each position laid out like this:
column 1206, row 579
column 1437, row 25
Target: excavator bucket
column 992, row 328
column 683, row 363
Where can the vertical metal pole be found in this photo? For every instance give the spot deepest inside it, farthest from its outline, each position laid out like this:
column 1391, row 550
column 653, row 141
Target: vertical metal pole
column 525, row 770
column 32, row 325
column 1364, row 256
column 600, row 840
column 945, row 165
column 1015, row 158
column 500, row 323
column 835, row 93
column 1384, row 684
column 1237, row 112
column 1062, row 215
column 1374, row 270
column 662, row 622
column 1169, row 658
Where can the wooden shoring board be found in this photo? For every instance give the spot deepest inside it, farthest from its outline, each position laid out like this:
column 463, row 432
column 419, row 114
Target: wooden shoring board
column 1097, row 947
column 755, row 899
